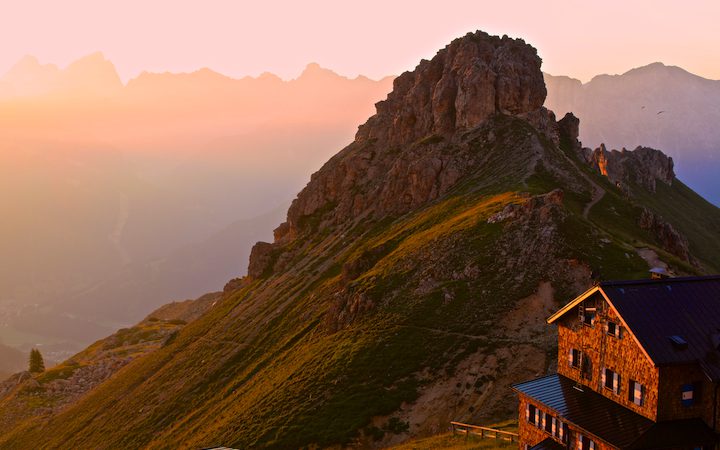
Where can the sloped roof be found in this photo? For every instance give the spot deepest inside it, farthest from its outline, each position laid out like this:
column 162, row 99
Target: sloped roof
column 676, row 434
column 588, row 410
column 655, row 310
column 608, row 421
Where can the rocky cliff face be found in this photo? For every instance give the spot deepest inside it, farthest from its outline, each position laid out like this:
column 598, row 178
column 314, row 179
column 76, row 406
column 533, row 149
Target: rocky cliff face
column 474, row 78
column 643, row 166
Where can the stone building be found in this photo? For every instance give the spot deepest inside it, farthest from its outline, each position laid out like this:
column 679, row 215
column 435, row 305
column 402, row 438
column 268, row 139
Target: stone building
column 638, row 368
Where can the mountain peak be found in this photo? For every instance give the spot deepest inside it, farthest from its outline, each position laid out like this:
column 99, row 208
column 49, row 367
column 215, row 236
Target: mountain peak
column 93, row 71
column 474, row 77
column 315, row 71
column 471, row 80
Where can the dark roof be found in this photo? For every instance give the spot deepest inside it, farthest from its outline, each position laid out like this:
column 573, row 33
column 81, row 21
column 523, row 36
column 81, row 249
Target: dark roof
column 656, row 310
column 548, row 444
column 610, row 422
column 676, row 434
column 587, row 410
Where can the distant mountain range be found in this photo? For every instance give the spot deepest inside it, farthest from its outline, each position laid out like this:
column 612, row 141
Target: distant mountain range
column 658, row 106
column 115, row 187
column 119, row 194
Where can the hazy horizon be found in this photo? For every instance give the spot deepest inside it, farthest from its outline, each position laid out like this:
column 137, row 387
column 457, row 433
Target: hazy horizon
column 251, row 38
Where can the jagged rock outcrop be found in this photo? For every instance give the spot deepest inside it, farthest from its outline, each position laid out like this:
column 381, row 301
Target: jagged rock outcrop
column 260, row 259
column 643, row 166
column 569, row 130
column 669, row 238
column 540, row 204
column 401, row 157
column 466, row 82
column 471, row 79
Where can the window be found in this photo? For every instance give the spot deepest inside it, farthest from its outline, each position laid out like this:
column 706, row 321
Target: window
column 531, row 414
column 575, row 356
column 587, row 367
column 588, row 317
column 636, row 393
column 585, row 443
column 558, row 429
column 689, row 392
column 548, row 422
column 612, row 329
column 611, row 380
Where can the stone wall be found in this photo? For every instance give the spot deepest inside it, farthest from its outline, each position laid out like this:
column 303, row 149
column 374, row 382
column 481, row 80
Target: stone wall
column 622, row 355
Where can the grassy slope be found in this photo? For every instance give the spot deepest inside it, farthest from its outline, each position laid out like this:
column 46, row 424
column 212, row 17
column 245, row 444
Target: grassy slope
column 264, row 368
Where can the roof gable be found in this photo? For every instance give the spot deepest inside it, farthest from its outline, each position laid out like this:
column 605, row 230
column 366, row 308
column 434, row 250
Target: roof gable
column 676, row 320
column 655, row 310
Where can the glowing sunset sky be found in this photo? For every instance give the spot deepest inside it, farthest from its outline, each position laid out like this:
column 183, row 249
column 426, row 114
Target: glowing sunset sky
column 371, row 37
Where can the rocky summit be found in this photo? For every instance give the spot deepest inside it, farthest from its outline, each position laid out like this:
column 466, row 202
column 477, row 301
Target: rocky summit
column 410, row 284
column 403, row 156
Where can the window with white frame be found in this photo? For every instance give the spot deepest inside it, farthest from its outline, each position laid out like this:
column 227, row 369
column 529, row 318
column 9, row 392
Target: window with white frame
column 531, row 414
column 613, row 329
column 587, row 316
column 611, row 380
column 558, row 429
column 548, row 420
column 585, row 443
column 636, row 393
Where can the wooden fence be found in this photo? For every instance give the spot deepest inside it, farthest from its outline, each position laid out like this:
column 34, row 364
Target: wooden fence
column 483, row 432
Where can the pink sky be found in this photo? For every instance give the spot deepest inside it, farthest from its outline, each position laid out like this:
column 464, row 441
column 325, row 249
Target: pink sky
column 375, row 38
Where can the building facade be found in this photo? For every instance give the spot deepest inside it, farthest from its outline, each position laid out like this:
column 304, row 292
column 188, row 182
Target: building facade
column 638, row 367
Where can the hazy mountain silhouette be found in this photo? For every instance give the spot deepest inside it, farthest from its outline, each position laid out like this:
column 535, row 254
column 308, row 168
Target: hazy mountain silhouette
column 659, row 106
column 103, row 180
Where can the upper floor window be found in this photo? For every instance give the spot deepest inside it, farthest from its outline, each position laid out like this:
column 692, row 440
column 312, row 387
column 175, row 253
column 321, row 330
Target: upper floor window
column 636, row 393
column 613, row 329
column 587, row 316
column 611, row 380
column 575, row 358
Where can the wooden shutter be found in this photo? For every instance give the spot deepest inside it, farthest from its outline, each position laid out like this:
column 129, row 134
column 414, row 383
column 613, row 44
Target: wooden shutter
column 602, row 376
column 592, row 445
column 527, row 412
column 560, row 433
column 637, row 395
column 570, row 357
column 616, row 382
